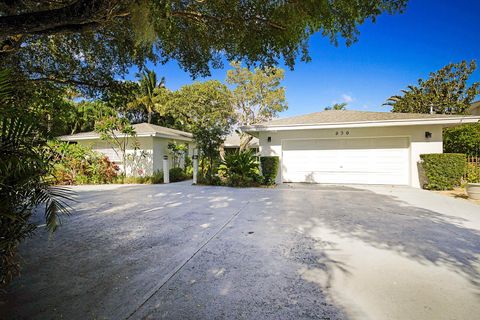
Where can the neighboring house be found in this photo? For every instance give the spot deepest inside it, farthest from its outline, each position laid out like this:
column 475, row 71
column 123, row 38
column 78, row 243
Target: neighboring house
column 353, row 146
column 145, row 151
column 475, row 108
column 232, row 143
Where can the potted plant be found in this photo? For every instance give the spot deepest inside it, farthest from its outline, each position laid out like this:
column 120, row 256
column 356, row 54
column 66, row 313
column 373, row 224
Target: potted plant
column 473, row 181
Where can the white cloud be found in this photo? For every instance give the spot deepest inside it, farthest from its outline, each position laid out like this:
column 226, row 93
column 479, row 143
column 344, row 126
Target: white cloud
column 347, row 98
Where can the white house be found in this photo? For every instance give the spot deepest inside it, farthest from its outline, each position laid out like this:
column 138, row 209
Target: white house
column 475, row 108
column 353, row 146
column 145, row 151
column 232, row 142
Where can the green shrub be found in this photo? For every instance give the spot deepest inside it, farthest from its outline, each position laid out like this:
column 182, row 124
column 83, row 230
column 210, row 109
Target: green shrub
column 444, row 171
column 269, row 169
column 240, row 169
column 462, row 139
column 177, row 174
column 188, row 167
column 156, row 178
column 76, row 164
column 211, row 181
column 473, row 173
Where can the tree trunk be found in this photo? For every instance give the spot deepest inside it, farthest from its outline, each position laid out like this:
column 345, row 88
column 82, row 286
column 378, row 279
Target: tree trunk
column 245, row 141
column 149, row 117
column 222, row 151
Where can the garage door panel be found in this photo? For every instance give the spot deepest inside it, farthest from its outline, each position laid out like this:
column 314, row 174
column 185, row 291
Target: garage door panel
column 363, row 161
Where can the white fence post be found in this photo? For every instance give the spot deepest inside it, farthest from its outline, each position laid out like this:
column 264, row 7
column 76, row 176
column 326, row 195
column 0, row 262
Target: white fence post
column 166, row 170
column 195, row 168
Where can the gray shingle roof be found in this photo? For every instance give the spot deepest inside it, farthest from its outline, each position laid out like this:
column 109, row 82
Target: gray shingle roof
column 142, row 129
column 345, row 116
column 233, row 141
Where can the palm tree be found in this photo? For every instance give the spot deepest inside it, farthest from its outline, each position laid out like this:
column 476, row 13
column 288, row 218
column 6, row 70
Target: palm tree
column 338, row 106
column 24, row 167
column 148, row 85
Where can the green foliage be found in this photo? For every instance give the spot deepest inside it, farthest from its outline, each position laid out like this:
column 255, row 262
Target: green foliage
column 188, row 166
column 446, row 91
column 76, row 164
column 177, row 150
column 205, row 109
column 240, row 169
column 338, row 106
column 444, row 171
column 257, row 95
column 462, row 139
column 23, row 186
column 87, row 43
column 148, row 88
column 473, row 173
column 156, row 178
column 177, row 174
column 269, row 167
column 117, row 132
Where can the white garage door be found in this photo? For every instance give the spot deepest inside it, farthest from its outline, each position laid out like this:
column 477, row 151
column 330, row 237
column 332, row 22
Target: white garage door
column 362, row 161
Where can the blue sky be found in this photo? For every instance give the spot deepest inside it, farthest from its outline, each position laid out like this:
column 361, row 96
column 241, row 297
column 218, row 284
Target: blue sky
column 390, row 54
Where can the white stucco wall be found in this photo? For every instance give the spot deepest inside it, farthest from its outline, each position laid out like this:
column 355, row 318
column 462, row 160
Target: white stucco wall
column 149, row 154
column 418, row 143
column 144, row 154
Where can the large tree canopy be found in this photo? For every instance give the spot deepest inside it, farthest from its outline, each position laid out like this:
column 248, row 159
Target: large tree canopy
column 445, row 91
column 257, row 95
column 87, row 43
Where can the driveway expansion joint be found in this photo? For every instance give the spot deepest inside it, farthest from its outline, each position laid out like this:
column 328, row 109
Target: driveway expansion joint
column 185, row 262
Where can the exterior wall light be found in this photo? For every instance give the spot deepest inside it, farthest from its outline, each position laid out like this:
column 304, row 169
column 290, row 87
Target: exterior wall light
column 269, row 139
column 428, row 134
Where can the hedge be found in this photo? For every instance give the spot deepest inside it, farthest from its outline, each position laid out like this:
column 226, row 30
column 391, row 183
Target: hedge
column 462, row 139
column 444, row 171
column 269, row 167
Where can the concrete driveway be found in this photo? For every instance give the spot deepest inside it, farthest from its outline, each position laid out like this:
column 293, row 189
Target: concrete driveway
column 295, row 252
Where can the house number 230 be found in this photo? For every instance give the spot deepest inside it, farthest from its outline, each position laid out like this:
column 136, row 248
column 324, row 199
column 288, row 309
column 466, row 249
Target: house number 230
column 341, row 133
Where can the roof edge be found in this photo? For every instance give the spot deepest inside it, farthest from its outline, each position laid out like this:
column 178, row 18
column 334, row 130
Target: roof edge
column 351, row 124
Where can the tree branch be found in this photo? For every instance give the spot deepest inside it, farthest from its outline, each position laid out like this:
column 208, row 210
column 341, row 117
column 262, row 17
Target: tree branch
column 200, row 17
column 71, row 18
column 67, row 81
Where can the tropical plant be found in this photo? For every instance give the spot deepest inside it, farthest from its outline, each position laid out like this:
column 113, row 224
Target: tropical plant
column 257, row 95
column 240, row 168
column 445, row 91
column 77, row 164
column 178, row 151
column 148, row 87
column 23, row 185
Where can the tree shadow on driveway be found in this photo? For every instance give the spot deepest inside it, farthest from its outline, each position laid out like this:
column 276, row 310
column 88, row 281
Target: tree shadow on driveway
column 386, row 222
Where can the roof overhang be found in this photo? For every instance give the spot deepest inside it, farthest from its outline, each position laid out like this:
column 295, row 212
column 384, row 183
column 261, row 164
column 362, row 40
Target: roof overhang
column 446, row 122
column 142, row 135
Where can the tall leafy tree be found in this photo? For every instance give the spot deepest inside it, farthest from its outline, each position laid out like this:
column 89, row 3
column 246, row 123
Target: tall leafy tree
column 206, row 110
column 445, row 91
column 148, row 88
column 257, row 95
column 87, row 43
